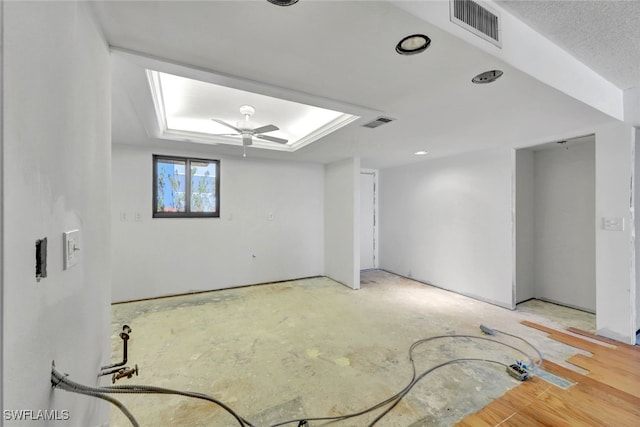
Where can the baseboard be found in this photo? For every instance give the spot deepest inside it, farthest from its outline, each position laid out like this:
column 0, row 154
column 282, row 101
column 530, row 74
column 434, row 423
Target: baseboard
column 464, row 294
column 575, row 307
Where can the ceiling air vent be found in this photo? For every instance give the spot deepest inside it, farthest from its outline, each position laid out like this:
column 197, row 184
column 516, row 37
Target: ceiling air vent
column 478, row 19
column 378, row 122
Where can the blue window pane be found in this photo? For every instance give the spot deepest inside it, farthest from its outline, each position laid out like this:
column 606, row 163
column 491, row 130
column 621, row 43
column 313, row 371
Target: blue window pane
column 203, row 186
column 170, row 185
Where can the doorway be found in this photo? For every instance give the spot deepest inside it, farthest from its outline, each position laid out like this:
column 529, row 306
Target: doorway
column 368, row 219
column 555, row 223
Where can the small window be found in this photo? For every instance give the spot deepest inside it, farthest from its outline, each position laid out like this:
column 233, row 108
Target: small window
column 185, row 187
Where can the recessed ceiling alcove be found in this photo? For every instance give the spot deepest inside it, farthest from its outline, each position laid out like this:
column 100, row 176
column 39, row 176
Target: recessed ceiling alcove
column 181, row 103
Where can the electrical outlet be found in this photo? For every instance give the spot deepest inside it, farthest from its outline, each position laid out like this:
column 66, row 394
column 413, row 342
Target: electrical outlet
column 612, row 224
column 71, row 248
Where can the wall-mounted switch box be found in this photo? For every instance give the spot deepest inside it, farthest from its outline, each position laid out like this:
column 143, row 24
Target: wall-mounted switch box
column 612, row 224
column 71, row 248
column 41, row 259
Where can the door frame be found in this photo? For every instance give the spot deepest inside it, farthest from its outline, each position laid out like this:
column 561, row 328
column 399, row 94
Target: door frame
column 376, row 239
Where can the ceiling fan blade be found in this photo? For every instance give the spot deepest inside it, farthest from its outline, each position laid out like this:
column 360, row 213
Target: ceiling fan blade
column 272, row 139
column 227, row 125
column 267, row 128
column 246, row 139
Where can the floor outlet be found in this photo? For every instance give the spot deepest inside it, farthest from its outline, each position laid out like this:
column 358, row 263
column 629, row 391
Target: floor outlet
column 517, row 372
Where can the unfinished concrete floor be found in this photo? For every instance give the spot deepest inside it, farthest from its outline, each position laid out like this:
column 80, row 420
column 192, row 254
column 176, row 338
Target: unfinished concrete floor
column 314, row 348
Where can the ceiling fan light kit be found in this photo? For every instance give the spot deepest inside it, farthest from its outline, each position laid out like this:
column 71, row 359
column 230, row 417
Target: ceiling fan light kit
column 247, row 130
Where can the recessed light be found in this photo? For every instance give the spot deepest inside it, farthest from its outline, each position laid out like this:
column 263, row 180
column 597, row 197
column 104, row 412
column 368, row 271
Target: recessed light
column 487, row 77
column 283, row 2
column 413, row 44
column 421, row 153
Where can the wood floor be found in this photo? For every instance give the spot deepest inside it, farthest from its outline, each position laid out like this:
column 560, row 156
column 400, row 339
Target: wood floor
column 608, row 395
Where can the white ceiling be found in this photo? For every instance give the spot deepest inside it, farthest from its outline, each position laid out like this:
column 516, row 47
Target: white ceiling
column 344, row 51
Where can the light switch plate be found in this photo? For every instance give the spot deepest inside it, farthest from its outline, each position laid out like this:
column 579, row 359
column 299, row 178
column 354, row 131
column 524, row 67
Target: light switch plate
column 71, row 248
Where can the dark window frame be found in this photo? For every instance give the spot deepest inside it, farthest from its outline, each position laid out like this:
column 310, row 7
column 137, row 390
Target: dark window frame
column 187, row 201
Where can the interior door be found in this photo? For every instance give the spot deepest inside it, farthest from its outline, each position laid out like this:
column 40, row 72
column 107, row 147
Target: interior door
column 367, row 220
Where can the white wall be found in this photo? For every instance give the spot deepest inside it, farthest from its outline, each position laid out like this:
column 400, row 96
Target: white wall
column 165, row 256
column 525, row 259
column 632, row 106
column 56, row 176
column 448, row 222
column 564, row 217
column 615, row 276
column 342, row 222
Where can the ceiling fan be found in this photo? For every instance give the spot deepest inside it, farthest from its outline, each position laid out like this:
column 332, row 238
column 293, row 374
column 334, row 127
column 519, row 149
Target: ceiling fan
column 246, row 128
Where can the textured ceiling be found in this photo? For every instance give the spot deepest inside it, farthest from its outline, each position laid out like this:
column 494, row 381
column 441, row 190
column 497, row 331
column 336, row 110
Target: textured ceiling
column 604, row 35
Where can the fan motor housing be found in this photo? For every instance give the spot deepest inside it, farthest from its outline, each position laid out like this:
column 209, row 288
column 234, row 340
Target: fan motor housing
column 245, row 125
